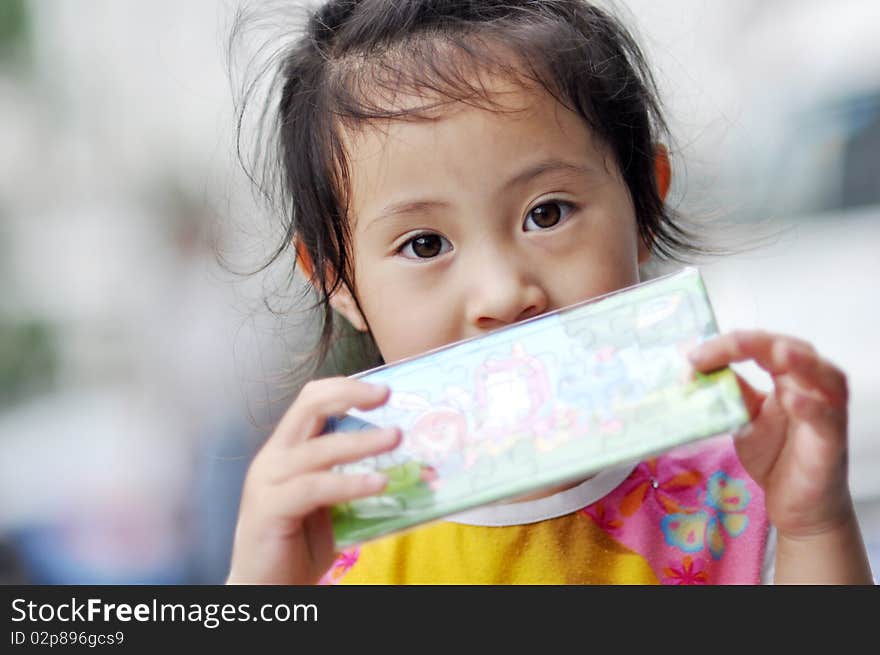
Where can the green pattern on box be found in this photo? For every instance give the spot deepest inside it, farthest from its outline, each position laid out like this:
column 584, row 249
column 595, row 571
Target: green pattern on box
column 543, row 402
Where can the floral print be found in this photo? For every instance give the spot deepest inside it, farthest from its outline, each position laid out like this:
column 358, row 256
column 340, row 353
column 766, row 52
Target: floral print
column 688, row 502
column 343, row 563
column 648, row 482
column 688, row 572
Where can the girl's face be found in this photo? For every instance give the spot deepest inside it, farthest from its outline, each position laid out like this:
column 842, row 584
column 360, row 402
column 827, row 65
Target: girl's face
column 479, row 219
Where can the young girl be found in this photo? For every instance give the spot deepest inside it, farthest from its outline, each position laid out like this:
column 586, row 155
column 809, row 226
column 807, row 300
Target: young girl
column 454, row 167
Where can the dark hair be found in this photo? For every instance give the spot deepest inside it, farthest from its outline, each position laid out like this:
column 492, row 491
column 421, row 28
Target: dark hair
column 356, row 55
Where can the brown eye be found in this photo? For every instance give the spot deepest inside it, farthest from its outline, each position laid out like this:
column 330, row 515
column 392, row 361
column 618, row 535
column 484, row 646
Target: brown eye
column 549, row 214
column 423, row 246
column 426, row 246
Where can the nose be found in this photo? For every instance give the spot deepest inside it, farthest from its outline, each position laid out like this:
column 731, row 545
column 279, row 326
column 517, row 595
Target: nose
column 503, row 289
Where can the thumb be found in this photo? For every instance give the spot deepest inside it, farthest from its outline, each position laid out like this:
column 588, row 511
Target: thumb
column 752, row 398
column 759, row 442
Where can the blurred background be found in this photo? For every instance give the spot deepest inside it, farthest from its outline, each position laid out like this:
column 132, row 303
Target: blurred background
column 138, row 376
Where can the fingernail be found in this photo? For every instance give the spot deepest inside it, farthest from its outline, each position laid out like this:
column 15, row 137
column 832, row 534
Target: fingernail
column 695, row 355
column 376, row 480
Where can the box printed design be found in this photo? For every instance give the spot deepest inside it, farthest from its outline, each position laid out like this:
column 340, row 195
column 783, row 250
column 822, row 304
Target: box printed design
column 546, row 401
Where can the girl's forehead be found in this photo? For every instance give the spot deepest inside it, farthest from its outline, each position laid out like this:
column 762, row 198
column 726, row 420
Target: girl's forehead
column 416, row 74
column 469, row 153
column 511, row 103
column 431, row 97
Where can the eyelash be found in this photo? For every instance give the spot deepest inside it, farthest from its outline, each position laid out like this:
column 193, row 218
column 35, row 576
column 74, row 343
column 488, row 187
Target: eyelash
column 567, row 207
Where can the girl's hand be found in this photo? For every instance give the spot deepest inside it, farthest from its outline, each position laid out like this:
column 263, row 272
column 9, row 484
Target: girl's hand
column 795, row 448
column 284, row 533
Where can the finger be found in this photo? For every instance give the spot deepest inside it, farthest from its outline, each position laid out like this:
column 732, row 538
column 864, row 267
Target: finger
column 321, row 399
column 814, row 372
column 306, row 493
column 813, row 409
column 752, row 398
column 739, row 346
column 776, row 354
column 338, row 448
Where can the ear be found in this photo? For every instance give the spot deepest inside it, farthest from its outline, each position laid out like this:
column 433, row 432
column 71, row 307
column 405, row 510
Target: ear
column 341, row 300
column 663, row 175
column 662, row 170
column 303, row 260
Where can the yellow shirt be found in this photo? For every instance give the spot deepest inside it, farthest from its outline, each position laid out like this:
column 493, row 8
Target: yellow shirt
column 513, row 543
column 517, row 554
column 690, row 516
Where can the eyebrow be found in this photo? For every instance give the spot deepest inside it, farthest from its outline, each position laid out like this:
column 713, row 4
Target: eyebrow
column 533, row 171
column 545, row 166
column 407, row 207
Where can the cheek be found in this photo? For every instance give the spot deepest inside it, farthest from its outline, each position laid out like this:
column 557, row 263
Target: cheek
column 597, row 260
column 586, row 279
column 406, row 317
column 405, row 333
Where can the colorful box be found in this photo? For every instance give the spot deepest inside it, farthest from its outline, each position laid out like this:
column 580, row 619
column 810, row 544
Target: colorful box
column 540, row 403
